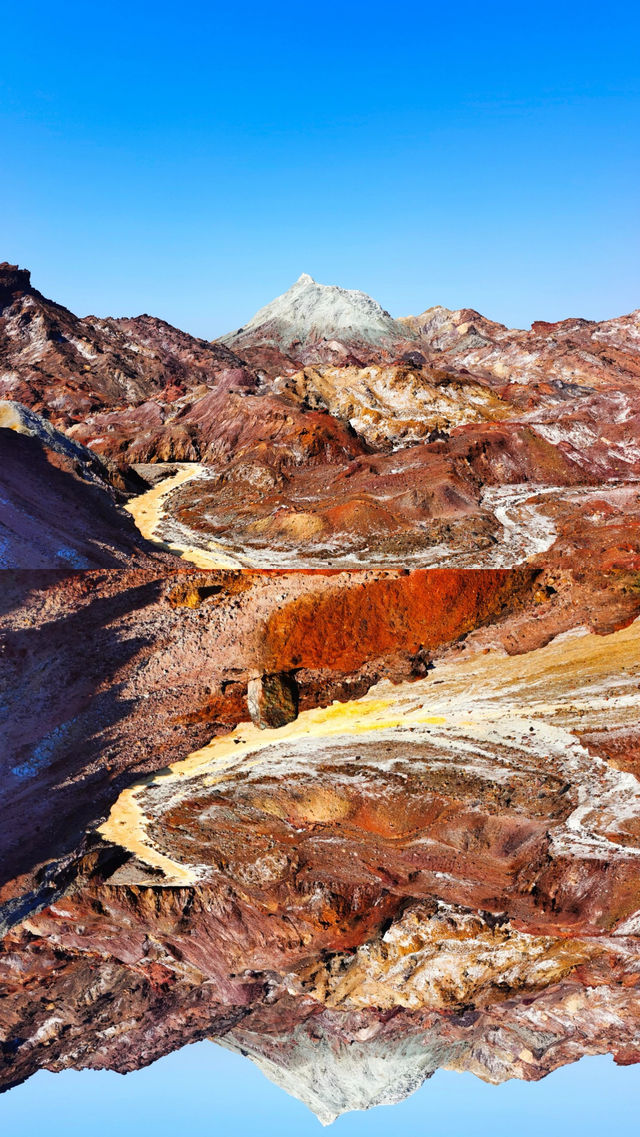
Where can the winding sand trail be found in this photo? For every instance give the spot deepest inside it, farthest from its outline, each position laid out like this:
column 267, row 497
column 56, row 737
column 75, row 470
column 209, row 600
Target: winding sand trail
column 148, row 511
column 481, row 709
column 526, row 531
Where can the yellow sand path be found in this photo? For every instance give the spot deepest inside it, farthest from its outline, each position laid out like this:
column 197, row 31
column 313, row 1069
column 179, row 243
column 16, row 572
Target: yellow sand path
column 147, row 511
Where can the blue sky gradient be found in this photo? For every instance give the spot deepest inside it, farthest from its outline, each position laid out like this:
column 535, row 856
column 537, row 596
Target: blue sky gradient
column 205, row 1091
column 192, row 160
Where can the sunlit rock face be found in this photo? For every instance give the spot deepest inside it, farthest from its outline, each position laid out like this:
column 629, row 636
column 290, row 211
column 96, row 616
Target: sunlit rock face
column 70, row 367
column 570, row 352
column 312, row 321
column 273, row 699
column 396, row 404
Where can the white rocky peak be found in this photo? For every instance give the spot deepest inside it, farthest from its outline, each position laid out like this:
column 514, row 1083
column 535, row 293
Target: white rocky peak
column 309, row 312
column 332, row 1077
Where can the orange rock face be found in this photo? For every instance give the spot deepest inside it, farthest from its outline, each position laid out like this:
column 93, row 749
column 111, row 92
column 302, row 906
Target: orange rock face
column 413, row 614
column 151, row 663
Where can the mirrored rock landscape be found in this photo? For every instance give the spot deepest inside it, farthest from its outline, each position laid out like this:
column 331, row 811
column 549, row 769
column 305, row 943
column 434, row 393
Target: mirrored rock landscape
column 320, row 674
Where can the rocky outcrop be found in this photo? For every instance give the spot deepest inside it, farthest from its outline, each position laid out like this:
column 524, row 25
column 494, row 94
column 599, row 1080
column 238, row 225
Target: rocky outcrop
column 272, row 700
column 396, row 404
column 555, row 360
column 58, row 505
column 228, row 424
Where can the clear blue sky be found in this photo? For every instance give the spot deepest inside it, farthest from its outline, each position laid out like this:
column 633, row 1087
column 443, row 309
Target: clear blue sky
column 204, row 1091
column 191, row 160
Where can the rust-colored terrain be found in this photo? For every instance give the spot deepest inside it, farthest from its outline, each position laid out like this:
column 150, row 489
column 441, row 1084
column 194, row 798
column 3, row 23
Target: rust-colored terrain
column 320, row 686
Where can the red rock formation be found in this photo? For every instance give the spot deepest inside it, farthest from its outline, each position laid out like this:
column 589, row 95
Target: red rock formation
column 69, row 368
column 378, row 457
column 551, row 359
column 152, row 662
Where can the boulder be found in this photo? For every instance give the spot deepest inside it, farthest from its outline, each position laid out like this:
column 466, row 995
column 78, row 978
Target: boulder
column 273, row 699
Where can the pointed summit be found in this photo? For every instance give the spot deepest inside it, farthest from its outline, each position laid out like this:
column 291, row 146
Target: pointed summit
column 311, row 320
column 15, row 281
